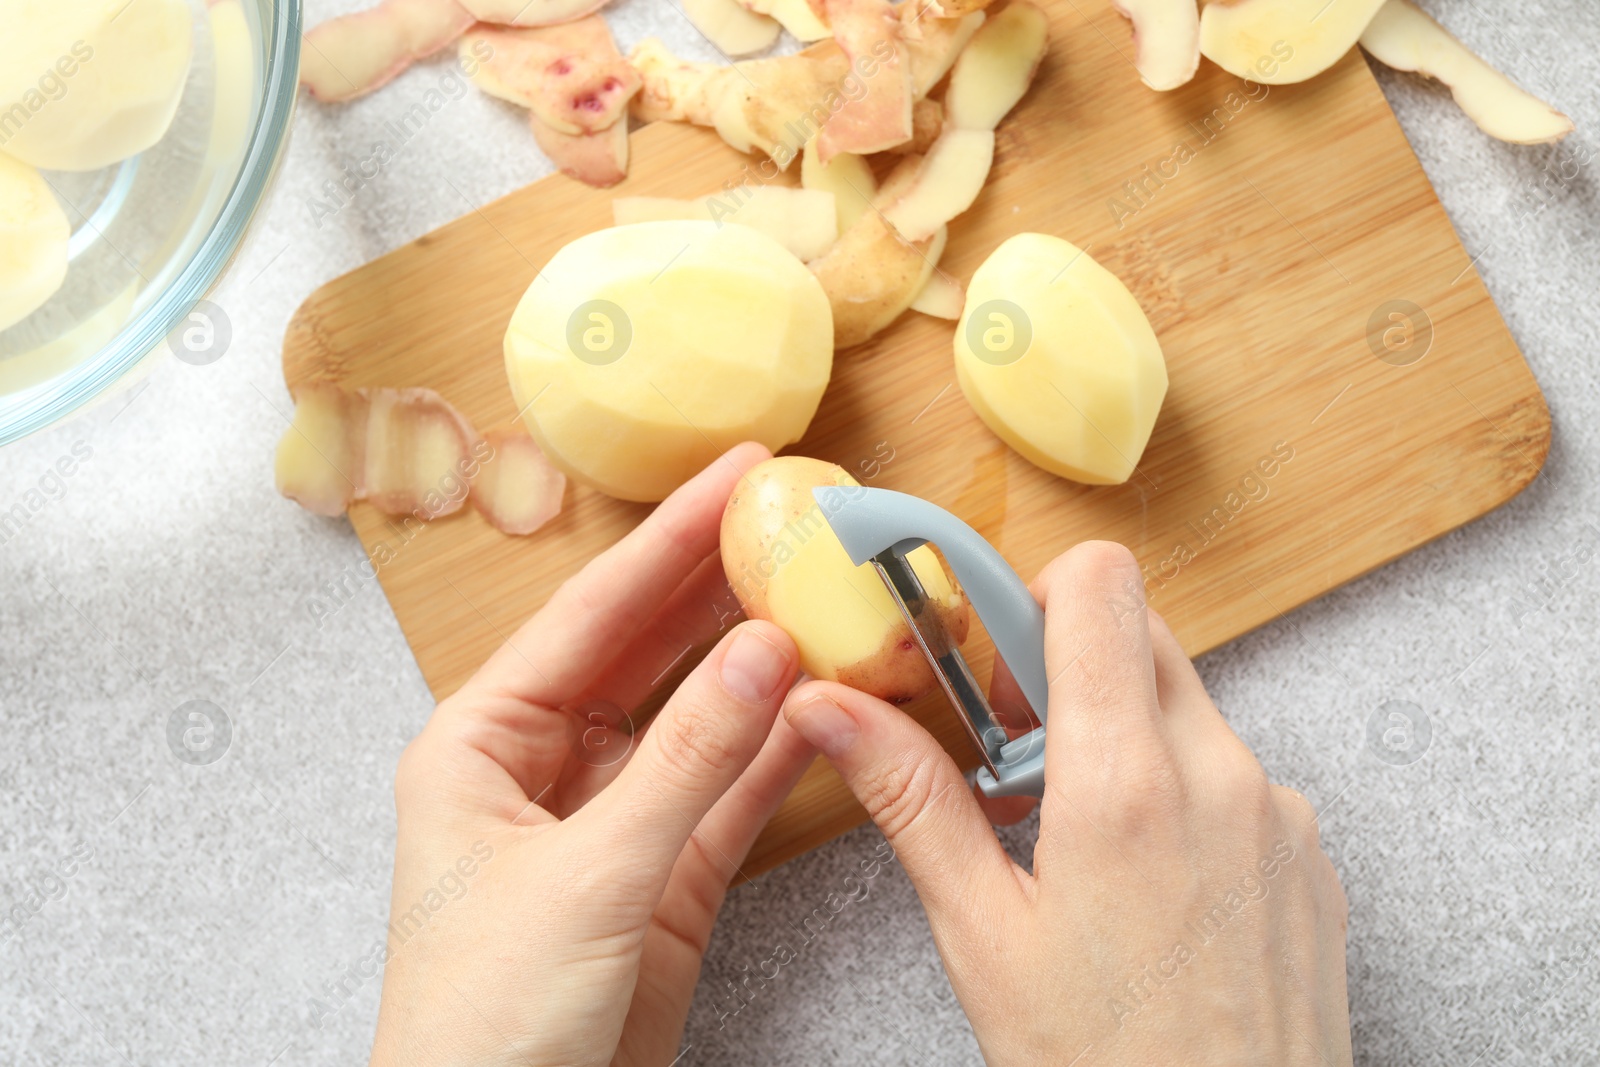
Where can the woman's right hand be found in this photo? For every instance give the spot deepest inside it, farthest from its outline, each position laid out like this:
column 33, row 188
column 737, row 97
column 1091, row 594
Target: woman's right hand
column 1180, row 907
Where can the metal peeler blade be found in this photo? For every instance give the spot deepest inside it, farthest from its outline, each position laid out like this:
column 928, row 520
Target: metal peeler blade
column 879, row 526
column 949, row 666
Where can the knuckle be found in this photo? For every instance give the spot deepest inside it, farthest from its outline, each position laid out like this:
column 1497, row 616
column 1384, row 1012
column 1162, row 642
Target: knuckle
column 1145, row 791
column 1097, row 561
column 1244, row 785
column 1087, row 562
column 1297, row 812
column 899, row 794
column 1327, row 891
column 693, row 741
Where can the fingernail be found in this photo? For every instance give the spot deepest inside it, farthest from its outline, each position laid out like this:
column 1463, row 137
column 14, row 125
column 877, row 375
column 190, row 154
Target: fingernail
column 753, row 668
column 825, row 725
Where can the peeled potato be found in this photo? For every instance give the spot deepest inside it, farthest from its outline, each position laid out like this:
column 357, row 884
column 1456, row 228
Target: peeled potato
column 87, row 83
column 235, row 82
column 640, row 353
column 786, row 566
column 33, row 242
column 1057, row 357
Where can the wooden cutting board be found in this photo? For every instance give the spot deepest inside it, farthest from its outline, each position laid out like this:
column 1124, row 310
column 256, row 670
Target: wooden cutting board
column 1268, row 256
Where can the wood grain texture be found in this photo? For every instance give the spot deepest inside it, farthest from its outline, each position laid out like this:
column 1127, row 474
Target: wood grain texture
column 1260, row 262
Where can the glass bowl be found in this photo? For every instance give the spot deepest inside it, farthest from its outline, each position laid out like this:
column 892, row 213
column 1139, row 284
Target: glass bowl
column 151, row 235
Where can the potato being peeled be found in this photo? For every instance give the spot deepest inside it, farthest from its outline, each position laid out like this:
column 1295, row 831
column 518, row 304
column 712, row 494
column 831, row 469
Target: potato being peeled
column 787, row 567
column 641, row 353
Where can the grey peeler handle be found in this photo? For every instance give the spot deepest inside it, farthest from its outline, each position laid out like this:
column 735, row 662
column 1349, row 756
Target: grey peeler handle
column 871, row 521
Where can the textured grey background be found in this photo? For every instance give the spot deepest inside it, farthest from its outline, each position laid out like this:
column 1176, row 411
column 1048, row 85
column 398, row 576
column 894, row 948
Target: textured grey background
column 218, row 900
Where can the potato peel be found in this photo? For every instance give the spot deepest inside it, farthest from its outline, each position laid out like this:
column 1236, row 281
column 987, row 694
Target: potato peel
column 997, row 67
column 942, row 298
column 597, row 159
column 321, row 459
column 869, row 34
column 1166, row 40
column 352, row 55
column 733, row 28
column 947, row 184
column 805, row 221
column 1406, row 38
column 934, row 42
column 518, row 490
column 673, row 89
column 927, row 122
column 951, row 9
column 872, row 275
column 1281, row 42
column 571, row 76
column 777, row 105
column 848, row 177
column 418, row 449
column 532, row 12
column 406, row 451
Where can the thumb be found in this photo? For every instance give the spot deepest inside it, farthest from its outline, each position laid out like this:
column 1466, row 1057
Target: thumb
column 694, row 751
column 914, row 792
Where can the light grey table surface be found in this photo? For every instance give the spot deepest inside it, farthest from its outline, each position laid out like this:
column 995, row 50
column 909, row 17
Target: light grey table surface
column 209, row 907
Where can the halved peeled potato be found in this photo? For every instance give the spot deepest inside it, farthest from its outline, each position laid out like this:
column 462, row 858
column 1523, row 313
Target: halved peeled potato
column 1057, row 357
column 640, row 353
column 33, row 242
column 786, row 566
column 88, row 83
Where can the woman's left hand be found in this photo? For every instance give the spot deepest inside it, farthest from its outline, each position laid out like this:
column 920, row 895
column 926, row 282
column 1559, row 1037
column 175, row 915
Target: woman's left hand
column 556, row 878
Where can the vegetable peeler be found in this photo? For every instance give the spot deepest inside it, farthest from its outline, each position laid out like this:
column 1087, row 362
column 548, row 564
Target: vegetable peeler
column 879, row 526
